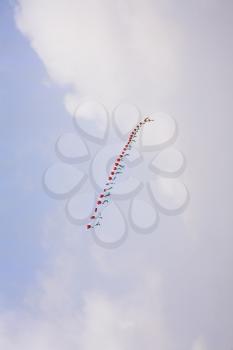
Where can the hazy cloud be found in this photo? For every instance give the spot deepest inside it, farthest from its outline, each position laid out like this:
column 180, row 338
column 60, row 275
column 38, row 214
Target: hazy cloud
column 109, row 50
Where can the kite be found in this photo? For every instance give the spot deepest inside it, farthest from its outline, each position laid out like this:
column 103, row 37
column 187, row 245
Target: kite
column 118, row 167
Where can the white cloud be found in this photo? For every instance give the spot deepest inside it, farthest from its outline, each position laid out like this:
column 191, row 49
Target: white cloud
column 68, row 310
column 114, row 50
column 109, row 50
column 199, row 344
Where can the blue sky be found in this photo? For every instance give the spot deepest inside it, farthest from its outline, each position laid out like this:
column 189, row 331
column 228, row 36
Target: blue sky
column 31, row 114
column 169, row 290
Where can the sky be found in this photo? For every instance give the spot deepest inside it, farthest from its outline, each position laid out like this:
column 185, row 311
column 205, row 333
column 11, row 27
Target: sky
column 79, row 69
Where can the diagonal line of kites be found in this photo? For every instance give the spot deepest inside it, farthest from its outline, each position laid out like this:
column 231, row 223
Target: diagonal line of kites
column 104, row 198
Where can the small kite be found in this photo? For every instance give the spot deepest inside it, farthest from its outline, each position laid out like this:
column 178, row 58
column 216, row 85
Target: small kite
column 117, row 169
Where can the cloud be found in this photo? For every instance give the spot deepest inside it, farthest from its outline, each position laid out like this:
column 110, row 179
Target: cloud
column 107, row 50
column 67, row 309
column 199, row 344
column 114, row 50
column 110, row 51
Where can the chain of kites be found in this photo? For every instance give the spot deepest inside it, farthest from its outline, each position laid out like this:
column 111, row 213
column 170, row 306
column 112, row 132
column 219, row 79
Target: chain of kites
column 104, row 198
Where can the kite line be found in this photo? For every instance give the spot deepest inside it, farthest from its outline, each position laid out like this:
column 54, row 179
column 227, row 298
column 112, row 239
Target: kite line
column 104, row 198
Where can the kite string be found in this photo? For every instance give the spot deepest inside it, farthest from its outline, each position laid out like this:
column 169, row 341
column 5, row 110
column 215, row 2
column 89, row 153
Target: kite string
column 117, row 169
